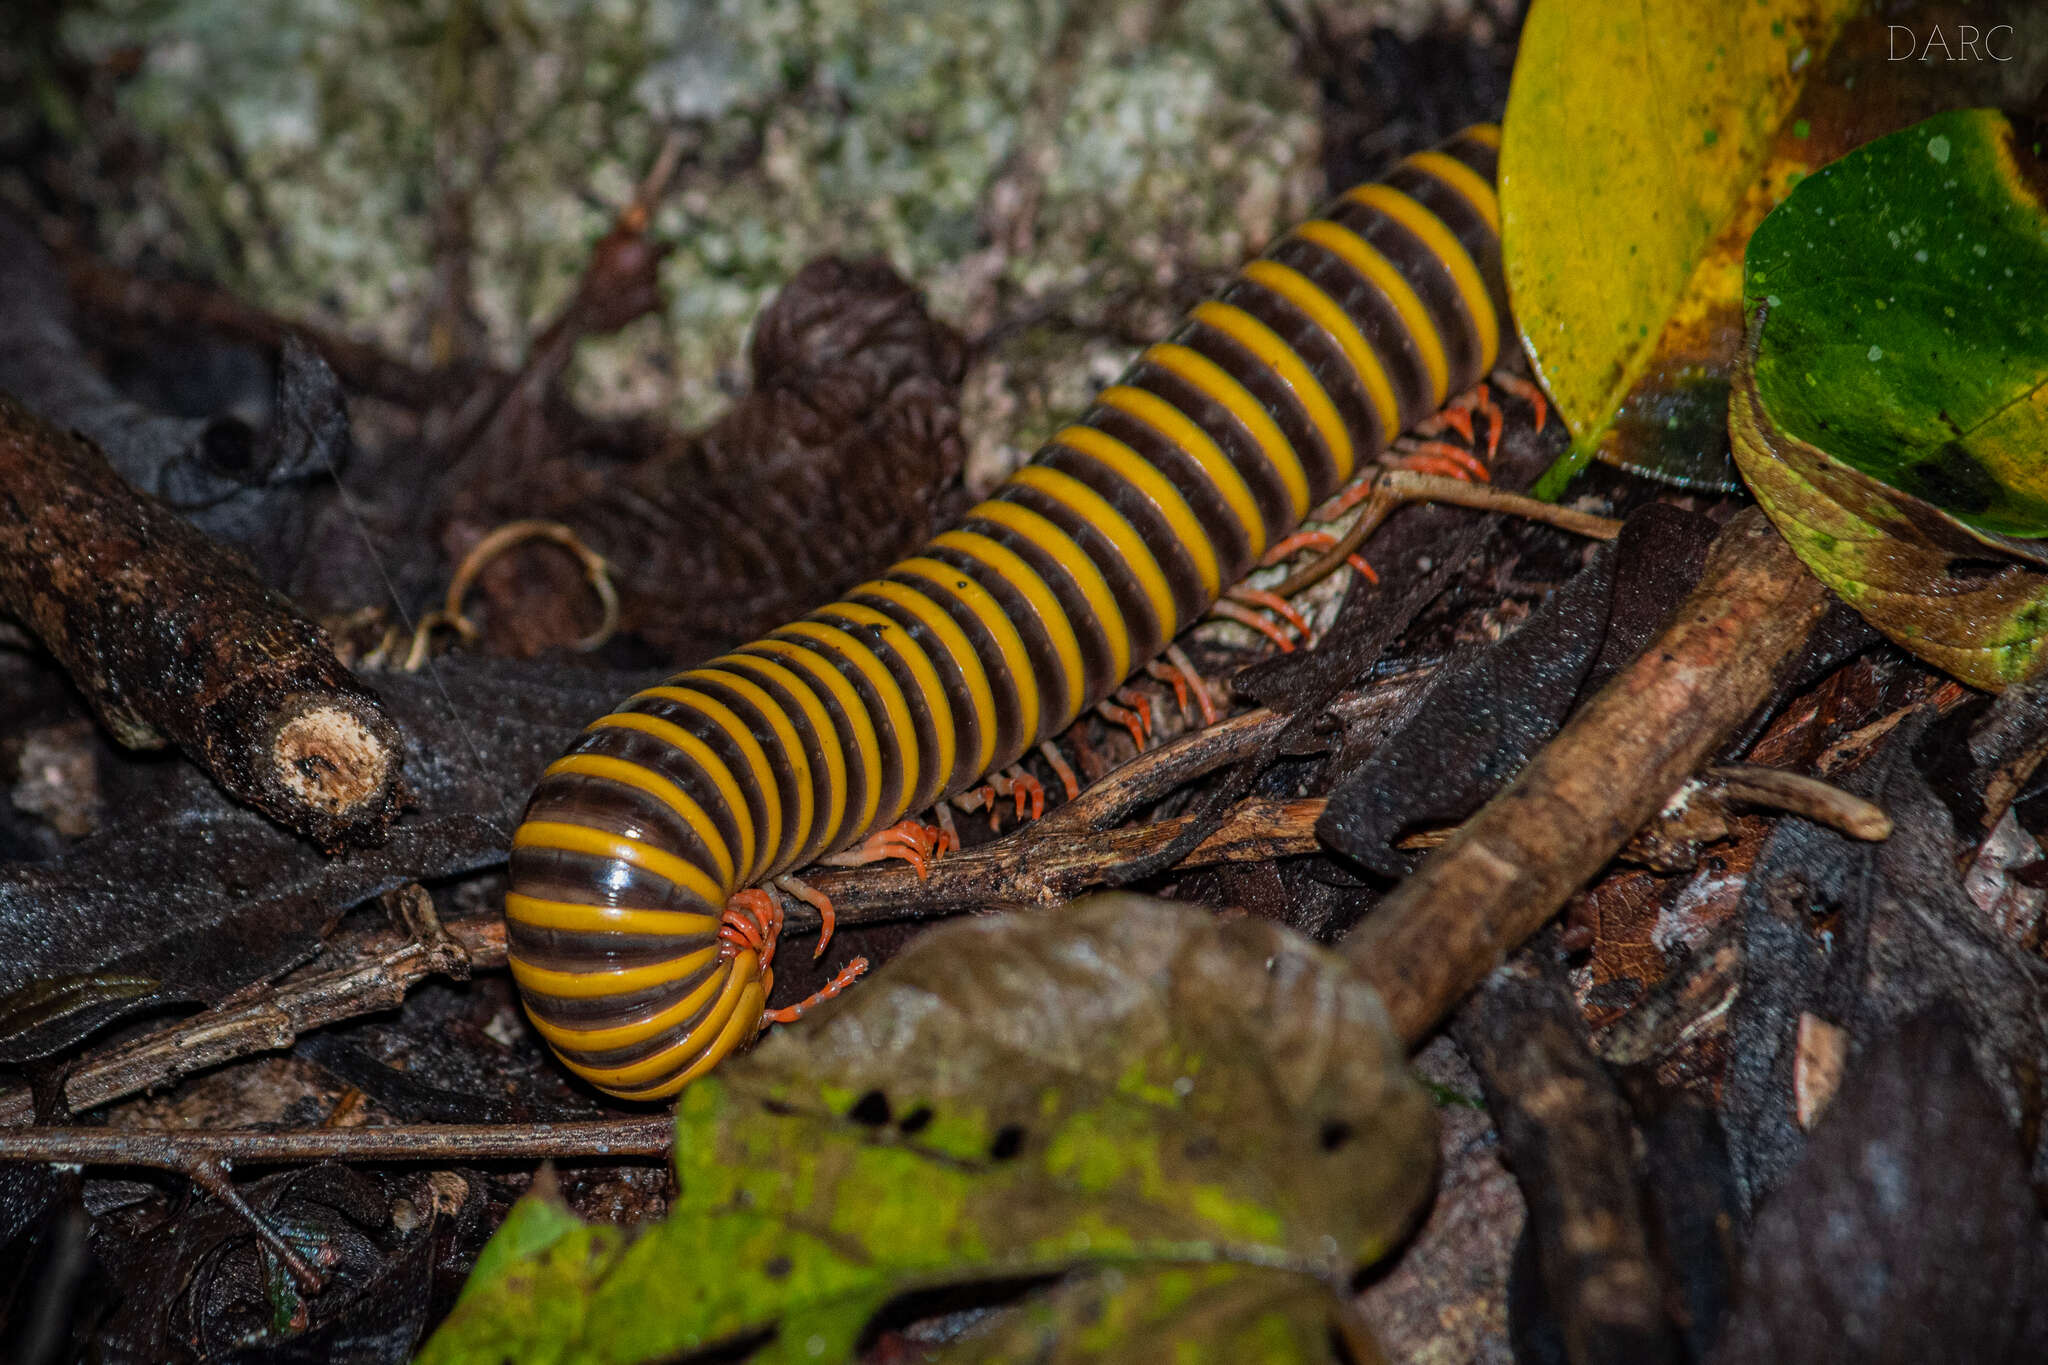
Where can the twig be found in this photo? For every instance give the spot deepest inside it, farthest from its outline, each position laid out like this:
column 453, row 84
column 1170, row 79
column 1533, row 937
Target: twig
column 1613, row 767
column 172, row 639
column 394, row 963
column 185, row 1151
column 1818, row 801
column 1082, row 844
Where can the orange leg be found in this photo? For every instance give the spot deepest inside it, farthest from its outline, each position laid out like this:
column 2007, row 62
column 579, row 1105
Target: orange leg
column 1440, row 457
column 914, row 842
column 752, row 920
column 949, row 834
column 848, row 974
column 828, row 918
column 1024, row 789
column 1050, row 752
column 1259, row 597
column 1358, row 492
column 1245, row 616
column 1184, row 672
column 1456, row 416
column 1527, row 392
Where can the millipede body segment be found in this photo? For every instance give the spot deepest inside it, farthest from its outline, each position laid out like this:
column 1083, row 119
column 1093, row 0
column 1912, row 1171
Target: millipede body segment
column 1120, row 534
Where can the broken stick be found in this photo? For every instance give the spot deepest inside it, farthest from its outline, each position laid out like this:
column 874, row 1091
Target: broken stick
column 173, row 640
column 1615, row 764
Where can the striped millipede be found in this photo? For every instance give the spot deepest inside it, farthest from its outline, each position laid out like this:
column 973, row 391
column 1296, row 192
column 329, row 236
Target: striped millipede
column 641, row 959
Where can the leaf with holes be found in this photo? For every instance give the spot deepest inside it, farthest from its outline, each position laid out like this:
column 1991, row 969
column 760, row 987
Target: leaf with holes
column 1891, row 412
column 1121, row 1083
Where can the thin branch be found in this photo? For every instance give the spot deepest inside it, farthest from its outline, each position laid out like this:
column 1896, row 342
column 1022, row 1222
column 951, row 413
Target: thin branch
column 378, row 980
column 1615, row 765
column 186, row 1151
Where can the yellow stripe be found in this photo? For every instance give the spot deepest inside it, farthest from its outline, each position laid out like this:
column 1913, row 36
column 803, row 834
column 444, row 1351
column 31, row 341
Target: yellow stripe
column 1470, row 185
column 791, row 743
column 1000, row 628
column 1445, row 246
column 621, row 1079
column 1366, row 259
column 640, row 1030
column 828, row 742
column 1008, row 565
column 706, row 758
column 743, row 1023
column 642, row 778
column 1277, row 356
column 1488, row 133
column 902, row 726
column 1241, row 403
column 755, row 757
column 1156, row 489
column 865, row 740
column 621, row 981
column 603, row 844
column 1076, row 564
column 577, row 918
column 1181, row 431
column 1325, row 312
column 960, row 652
column 1089, row 505
column 906, row 648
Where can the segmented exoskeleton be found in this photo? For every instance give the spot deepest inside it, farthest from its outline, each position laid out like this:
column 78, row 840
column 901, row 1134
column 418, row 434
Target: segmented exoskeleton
column 633, row 958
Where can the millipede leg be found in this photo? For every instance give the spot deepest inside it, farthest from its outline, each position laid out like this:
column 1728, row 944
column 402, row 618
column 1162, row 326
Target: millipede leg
column 1278, row 605
column 949, row 833
column 1440, row 457
column 1177, row 660
column 828, row 918
column 1025, row 790
column 1527, row 392
column 752, row 920
column 1245, row 616
column 913, row 841
column 1057, row 761
column 848, row 974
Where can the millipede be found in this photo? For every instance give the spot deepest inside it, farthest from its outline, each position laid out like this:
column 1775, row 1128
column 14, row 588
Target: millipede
column 644, row 958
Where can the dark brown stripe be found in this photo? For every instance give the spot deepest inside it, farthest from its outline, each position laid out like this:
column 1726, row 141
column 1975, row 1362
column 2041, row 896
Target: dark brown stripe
column 1047, row 675
column 1094, row 639
column 1175, row 559
column 1147, row 632
column 1318, row 462
column 1377, row 319
column 1432, row 283
column 858, row 777
column 1326, row 361
column 925, row 729
column 1011, row 740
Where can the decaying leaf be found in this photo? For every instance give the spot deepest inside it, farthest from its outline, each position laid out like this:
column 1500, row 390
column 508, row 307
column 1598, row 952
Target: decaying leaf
column 1485, row 715
column 1908, row 1232
column 1891, row 410
column 1125, row 1082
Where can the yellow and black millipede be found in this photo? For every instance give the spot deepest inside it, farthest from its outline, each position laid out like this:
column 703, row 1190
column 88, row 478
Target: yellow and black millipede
column 1122, row 532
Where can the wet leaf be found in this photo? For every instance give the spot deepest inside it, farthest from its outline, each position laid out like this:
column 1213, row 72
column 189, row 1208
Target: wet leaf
column 1633, row 135
column 1643, row 145
column 1891, row 412
column 1123, row 1082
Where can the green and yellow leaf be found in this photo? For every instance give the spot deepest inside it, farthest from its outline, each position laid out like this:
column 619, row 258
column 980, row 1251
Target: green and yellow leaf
column 1891, row 414
column 1125, row 1083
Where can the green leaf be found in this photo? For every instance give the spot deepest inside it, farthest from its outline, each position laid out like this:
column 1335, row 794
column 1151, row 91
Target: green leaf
column 1892, row 415
column 1123, row 1082
column 1644, row 143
